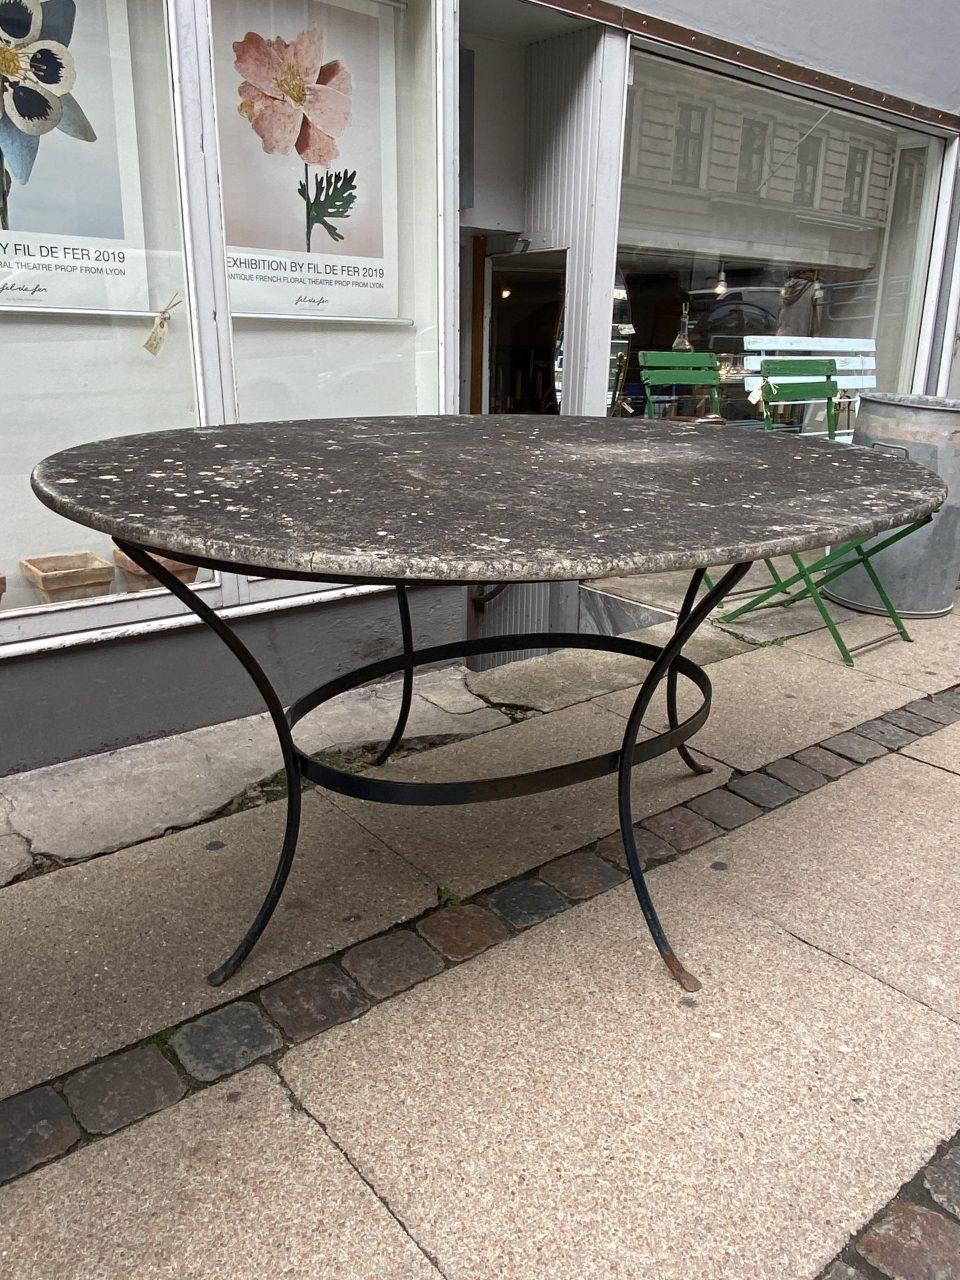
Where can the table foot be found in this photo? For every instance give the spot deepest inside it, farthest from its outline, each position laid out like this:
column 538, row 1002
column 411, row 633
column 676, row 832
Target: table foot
column 686, row 979
column 665, row 666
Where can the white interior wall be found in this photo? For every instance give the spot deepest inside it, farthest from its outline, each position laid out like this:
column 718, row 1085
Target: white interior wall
column 499, row 144
column 576, row 95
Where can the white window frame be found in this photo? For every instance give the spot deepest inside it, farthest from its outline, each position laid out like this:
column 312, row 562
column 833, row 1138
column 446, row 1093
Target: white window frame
column 705, row 138
column 821, row 140
column 859, row 144
column 40, row 628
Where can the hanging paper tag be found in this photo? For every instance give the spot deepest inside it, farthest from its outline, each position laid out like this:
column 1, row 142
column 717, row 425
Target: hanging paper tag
column 161, row 327
column 756, row 396
column 158, row 334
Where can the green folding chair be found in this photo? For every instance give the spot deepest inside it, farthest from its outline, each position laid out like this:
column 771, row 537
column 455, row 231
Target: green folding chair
column 678, row 369
column 809, row 381
column 799, row 381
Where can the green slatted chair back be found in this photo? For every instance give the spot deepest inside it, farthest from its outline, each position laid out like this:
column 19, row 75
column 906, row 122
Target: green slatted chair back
column 800, row 381
column 678, row 369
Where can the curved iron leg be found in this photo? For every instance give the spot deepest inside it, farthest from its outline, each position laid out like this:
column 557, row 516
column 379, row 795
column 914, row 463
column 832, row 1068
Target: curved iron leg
column 406, row 627
column 672, row 715
column 290, row 766
column 686, row 626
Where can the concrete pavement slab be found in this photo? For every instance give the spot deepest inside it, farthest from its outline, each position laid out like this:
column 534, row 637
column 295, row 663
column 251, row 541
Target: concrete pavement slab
column 559, row 679
column 772, row 702
column 558, row 1107
column 865, row 869
column 234, row 1183
column 941, row 748
column 468, row 848
column 100, row 803
column 929, row 663
column 667, row 590
column 764, row 625
column 104, row 953
column 567, row 676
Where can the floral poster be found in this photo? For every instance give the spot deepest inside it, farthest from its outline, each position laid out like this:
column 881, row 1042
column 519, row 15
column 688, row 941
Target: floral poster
column 71, row 224
column 307, row 118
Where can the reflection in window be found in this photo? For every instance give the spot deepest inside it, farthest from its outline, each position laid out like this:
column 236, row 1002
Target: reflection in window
column 808, row 171
column 688, row 145
column 753, row 150
column 803, row 256
column 855, row 182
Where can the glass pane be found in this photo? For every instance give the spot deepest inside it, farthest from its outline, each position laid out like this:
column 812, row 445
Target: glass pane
column 328, row 147
column 810, row 223
column 90, row 251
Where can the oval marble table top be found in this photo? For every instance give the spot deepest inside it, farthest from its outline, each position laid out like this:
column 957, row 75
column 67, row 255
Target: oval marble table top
column 482, row 499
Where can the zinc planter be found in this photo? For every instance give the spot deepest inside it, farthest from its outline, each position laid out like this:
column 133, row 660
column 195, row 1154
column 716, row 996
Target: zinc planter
column 920, row 572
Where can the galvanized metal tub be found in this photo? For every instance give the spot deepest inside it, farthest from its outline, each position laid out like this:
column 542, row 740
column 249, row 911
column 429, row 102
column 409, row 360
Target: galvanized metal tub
column 920, row 572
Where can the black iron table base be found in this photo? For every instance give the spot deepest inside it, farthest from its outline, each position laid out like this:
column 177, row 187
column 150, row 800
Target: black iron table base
column 668, row 664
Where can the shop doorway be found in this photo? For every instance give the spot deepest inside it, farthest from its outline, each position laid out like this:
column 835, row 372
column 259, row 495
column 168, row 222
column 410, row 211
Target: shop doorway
column 524, row 350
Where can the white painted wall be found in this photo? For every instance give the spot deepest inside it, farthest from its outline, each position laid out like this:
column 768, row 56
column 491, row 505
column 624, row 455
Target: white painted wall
column 902, row 47
column 499, row 114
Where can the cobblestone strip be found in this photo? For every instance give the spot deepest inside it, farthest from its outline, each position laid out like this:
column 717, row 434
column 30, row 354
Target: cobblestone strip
column 914, row 1237
column 47, row 1121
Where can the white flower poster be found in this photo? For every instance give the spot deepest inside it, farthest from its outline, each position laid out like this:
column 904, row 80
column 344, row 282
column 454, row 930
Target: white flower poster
column 306, row 104
column 71, row 220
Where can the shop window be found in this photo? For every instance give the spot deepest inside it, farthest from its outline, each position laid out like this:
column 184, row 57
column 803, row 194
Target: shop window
column 855, row 180
column 807, row 180
column 688, row 144
column 753, row 153
column 334, row 312
column 91, row 252
column 815, row 226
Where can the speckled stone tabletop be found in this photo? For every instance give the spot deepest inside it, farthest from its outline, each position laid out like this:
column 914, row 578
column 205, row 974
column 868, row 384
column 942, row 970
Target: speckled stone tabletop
column 482, row 499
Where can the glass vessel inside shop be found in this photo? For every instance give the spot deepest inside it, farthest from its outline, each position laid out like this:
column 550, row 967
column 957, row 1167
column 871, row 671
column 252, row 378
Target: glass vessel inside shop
column 747, row 213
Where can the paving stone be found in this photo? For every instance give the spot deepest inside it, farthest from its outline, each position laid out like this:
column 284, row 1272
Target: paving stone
column 889, row 735
column 932, row 709
column 763, row 790
column 233, row 1183
column 822, row 761
column 799, row 776
column 840, row 1271
column 114, row 1093
column 308, row 1002
column 463, row 931
column 651, row 848
column 391, row 963
column 526, row 902
column 943, row 1181
column 948, row 698
column 910, row 1243
column 912, row 721
column 34, row 1127
column 681, row 827
column 224, row 1041
column 581, row 875
column 855, row 748
column 725, row 808
column 14, row 857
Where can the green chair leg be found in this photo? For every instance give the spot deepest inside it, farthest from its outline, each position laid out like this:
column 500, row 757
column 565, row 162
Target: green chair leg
column 814, row 594
column 884, row 598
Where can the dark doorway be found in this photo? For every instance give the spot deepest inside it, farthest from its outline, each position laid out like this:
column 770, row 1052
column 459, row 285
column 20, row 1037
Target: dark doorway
column 525, row 317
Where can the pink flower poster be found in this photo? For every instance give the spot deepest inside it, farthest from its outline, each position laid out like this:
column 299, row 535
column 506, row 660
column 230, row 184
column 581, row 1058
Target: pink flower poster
column 306, row 107
column 71, row 213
